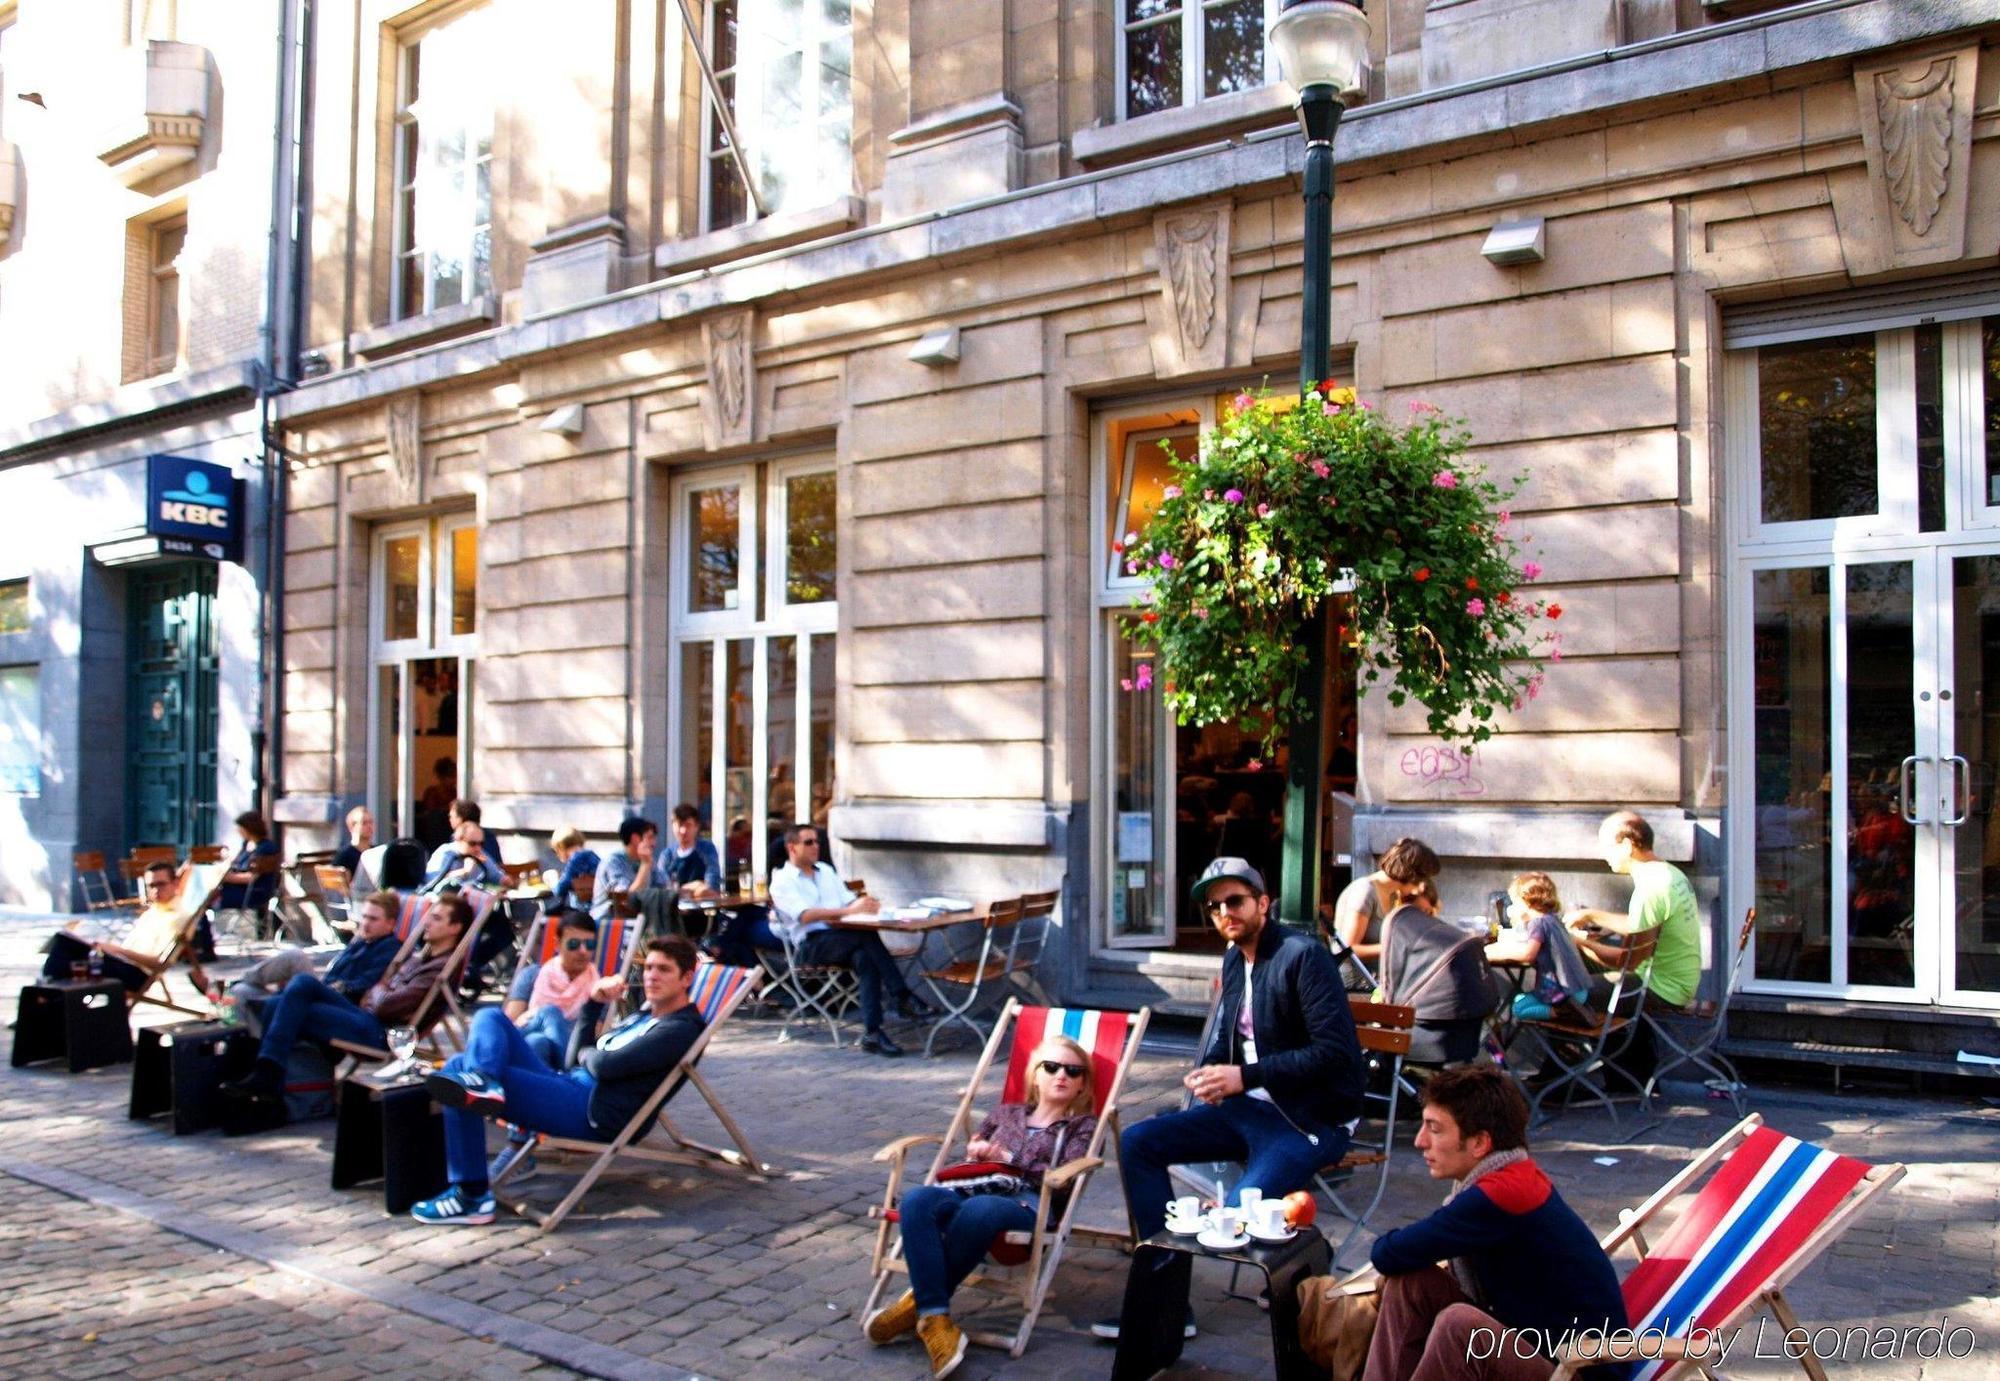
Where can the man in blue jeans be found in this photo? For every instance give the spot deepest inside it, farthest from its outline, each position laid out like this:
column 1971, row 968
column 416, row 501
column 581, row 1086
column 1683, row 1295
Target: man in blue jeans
column 1283, row 1073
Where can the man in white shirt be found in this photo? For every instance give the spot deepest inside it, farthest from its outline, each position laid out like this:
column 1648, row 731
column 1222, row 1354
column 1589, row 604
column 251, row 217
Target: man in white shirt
column 808, row 903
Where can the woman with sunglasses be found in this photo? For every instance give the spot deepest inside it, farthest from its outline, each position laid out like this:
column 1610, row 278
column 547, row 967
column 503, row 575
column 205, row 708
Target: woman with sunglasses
column 946, row 1234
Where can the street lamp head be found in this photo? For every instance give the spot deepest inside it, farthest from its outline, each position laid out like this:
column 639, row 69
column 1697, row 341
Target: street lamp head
column 1323, row 43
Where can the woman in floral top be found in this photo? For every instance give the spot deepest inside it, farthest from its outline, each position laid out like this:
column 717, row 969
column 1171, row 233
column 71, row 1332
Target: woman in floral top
column 946, row 1233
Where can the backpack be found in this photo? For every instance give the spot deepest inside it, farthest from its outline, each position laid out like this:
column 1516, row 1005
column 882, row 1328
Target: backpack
column 402, row 865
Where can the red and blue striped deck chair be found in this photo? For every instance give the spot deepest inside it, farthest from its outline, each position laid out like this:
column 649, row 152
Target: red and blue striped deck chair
column 717, row 991
column 1023, row 1264
column 1772, row 1206
column 617, row 936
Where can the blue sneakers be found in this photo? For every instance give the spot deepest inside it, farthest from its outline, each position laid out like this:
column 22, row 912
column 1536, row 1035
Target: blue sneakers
column 453, row 1207
column 467, row 1088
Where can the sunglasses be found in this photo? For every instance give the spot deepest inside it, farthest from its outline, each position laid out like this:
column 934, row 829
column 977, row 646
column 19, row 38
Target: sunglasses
column 1058, row 1067
column 1215, row 906
column 576, row 944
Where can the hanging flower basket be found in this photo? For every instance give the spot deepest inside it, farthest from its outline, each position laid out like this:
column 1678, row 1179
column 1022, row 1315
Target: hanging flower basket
column 1281, row 507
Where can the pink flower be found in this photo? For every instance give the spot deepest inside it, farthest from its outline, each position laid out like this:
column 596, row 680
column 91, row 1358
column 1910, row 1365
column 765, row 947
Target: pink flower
column 1142, row 679
column 1232, row 496
column 1208, row 494
column 1244, row 402
column 1263, row 510
column 1531, row 570
column 1444, row 479
column 1200, row 612
column 1167, row 561
column 1172, row 491
column 1535, row 683
column 1475, row 606
column 1131, row 568
column 1254, row 765
column 1505, row 517
column 1124, row 683
column 1328, row 409
column 1320, row 468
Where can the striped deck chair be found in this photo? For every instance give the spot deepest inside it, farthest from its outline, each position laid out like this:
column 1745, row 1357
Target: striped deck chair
column 438, row 1018
column 1023, row 1264
column 200, row 883
column 717, row 991
column 1773, row 1205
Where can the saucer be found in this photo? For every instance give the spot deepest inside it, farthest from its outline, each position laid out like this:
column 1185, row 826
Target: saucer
column 1213, row 1239
column 1186, row 1227
column 1284, row 1235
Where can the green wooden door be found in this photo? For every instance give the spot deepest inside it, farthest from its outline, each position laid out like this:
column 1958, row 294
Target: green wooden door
column 172, row 705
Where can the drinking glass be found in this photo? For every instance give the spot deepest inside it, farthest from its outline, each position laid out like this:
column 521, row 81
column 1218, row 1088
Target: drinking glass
column 402, row 1044
column 743, row 883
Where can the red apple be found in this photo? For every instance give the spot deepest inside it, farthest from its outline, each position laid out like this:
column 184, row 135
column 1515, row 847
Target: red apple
column 1300, row 1210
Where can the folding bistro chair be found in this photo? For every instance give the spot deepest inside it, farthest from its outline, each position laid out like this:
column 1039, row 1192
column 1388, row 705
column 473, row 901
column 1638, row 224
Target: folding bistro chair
column 717, row 991
column 1772, row 1206
column 973, row 968
column 1582, row 1051
column 200, row 884
column 1695, row 1037
column 93, row 881
column 1023, row 1264
column 334, row 887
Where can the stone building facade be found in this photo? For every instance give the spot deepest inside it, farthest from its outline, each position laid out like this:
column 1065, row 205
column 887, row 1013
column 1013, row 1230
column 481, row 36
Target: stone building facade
column 138, row 310
column 622, row 490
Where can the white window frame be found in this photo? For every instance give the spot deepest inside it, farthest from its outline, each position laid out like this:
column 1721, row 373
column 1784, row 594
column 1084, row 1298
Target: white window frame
column 717, row 628
column 777, row 553
column 408, row 184
column 434, row 642
column 383, row 648
column 1193, row 59
column 445, row 587
column 747, row 98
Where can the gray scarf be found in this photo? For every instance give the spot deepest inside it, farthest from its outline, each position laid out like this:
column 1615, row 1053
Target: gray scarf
column 1461, row 1268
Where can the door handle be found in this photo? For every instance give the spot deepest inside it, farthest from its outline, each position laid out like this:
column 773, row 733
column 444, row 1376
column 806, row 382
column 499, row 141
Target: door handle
column 1905, row 779
column 1962, row 802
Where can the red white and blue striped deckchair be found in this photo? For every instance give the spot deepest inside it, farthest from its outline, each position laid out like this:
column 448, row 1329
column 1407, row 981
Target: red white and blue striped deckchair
column 438, row 1017
column 1773, row 1205
column 717, row 991
column 1026, row 1261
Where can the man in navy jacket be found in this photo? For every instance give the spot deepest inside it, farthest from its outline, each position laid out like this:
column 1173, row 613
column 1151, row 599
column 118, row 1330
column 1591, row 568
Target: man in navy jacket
column 1283, row 1072
column 1524, row 1271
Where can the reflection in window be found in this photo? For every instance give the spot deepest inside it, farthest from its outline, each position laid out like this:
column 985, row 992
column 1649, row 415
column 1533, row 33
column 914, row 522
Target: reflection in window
column 822, row 664
column 1881, row 733
column 1793, row 765
column 402, row 587
column 21, row 730
column 713, row 548
column 739, row 728
column 781, row 734
column 786, row 71
column 1178, row 52
column 13, row 606
column 1991, row 374
column 698, row 727
column 1138, row 863
column 464, row 579
column 1816, row 428
column 444, row 166
column 809, row 538
column 1930, row 428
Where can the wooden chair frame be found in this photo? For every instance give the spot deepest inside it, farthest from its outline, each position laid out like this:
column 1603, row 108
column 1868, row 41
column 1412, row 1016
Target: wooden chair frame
column 1634, row 1225
column 1029, row 1282
column 1620, row 1020
column 192, row 876
column 973, row 968
column 443, row 991
column 631, row 1143
column 1699, row 1044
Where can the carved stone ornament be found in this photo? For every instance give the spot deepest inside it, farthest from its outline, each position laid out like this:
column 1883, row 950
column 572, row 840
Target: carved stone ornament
column 732, row 382
column 1916, row 128
column 406, row 449
column 1193, row 246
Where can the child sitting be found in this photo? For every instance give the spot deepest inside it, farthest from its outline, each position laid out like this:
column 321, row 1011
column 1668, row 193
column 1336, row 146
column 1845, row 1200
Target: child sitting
column 1535, row 912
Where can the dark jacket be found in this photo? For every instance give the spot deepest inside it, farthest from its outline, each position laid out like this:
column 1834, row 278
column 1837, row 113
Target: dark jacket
column 360, row 966
column 1308, row 1057
column 394, row 1000
column 700, row 866
column 626, row 1077
column 1537, row 1264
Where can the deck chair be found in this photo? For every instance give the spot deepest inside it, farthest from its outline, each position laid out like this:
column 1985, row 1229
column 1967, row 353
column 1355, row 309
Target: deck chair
column 1023, row 1264
column 1582, row 1052
column 200, row 885
column 1772, row 1206
column 437, row 1019
column 1695, row 1037
column 717, row 991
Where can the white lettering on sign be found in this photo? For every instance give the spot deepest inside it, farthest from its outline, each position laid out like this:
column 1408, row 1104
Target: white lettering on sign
column 194, row 514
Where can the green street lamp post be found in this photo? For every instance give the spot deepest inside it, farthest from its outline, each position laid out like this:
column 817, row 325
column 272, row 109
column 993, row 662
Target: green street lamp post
column 1322, row 50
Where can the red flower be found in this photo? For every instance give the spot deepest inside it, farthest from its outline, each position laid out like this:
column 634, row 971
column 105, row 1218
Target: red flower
column 1505, row 597
column 1555, row 611
column 1149, row 617
column 1472, row 582
column 1421, row 574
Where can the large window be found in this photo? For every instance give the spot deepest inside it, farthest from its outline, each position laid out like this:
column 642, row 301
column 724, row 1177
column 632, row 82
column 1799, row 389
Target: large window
column 21, row 730
column 1178, row 52
column 444, row 165
column 423, row 618
column 754, row 591
column 786, row 69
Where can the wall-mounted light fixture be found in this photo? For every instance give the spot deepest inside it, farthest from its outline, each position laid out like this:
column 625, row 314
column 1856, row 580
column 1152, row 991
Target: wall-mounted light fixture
column 939, row 347
column 566, row 420
column 1519, row 241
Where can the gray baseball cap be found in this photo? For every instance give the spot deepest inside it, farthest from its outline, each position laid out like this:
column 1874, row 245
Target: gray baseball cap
column 1215, row 872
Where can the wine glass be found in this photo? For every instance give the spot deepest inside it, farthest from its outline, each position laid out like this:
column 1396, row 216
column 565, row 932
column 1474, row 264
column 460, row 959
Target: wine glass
column 402, row 1044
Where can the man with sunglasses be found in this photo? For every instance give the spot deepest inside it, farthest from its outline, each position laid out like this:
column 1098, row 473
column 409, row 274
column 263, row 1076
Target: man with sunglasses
column 808, row 903
column 147, row 944
column 1282, row 1075
column 562, row 988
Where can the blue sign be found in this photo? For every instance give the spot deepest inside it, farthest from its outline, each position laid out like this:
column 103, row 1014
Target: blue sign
column 194, row 507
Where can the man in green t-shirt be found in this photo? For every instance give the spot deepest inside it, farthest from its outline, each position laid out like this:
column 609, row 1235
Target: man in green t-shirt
column 1662, row 899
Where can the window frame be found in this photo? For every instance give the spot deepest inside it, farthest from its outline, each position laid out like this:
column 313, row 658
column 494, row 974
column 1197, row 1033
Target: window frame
column 743, row 479
column 1193, row 56
column 444, row 587
column 158, row 275
column 27, row 587
column 407, row 178
column 777, row 537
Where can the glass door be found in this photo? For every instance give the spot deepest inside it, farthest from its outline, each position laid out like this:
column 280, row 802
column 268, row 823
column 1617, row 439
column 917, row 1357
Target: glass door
column 1969, row 766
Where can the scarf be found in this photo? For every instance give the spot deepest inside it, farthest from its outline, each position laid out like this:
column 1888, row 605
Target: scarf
column 1461, row 1267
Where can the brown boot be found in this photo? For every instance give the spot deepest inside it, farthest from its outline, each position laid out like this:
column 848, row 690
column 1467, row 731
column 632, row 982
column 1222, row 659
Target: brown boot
column 887, row 1325
column 943, row 1341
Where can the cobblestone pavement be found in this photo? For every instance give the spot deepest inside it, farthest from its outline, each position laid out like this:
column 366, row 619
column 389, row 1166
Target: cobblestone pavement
column 705, row 1273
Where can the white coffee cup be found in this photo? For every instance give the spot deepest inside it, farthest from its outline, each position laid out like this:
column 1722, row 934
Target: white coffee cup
column 1249, row 1195
column 1269, row 1217
column 1184, row 1210
column 1229, row 1222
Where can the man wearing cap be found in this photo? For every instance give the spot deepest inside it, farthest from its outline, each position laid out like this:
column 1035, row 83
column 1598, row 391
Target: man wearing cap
column 1283, row 1072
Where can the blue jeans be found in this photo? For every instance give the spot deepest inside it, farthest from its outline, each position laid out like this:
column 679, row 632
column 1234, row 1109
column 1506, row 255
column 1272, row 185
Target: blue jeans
column 741, row 933
column 538, row 1099
column 945, row 1237
column 309, row 1008
column 1277, row 1157
column 547, row 1033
